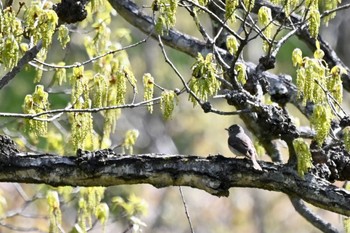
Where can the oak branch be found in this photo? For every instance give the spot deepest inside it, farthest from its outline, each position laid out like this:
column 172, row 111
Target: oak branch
column 213, row 174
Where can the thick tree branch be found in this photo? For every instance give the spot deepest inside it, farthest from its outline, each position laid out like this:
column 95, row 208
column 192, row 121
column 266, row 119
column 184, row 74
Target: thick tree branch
column 214, row 174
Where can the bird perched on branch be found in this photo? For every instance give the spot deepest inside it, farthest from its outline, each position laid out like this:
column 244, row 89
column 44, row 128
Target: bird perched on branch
column 241, row 145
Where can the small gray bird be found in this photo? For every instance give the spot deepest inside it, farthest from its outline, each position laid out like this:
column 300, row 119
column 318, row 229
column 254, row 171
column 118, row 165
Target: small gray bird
column 241, row 145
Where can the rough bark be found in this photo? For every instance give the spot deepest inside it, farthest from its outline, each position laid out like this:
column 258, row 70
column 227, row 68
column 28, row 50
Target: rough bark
column 213, row 174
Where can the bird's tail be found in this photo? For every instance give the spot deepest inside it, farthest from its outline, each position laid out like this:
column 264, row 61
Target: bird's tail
column 255, row 164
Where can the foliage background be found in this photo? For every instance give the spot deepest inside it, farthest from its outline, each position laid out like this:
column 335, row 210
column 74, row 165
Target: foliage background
column 188, row 132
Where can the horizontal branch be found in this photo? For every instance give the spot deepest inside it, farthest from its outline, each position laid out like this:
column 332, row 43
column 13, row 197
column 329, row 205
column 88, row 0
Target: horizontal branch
column 75, row 110
column 214, row 174
column 78, row 64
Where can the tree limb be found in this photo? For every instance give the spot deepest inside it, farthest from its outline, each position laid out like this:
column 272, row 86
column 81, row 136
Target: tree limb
column 214, row 174
column 311, row 217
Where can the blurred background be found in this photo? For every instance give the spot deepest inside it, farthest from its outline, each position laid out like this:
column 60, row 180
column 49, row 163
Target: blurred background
column 189, row 132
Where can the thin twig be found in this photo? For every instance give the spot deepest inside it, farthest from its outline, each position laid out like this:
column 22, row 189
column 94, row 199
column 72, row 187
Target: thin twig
column 19, row 211
column 223, row 24
column 65, row 110
column 167, row 60
column 201, row 29
column 281, row 27
column 282, row 41
column 329, row 95
column 24, row 229
column 21, row 192
column 345, row 6
column 186, row 210
column 223, row 113
column 77, row 64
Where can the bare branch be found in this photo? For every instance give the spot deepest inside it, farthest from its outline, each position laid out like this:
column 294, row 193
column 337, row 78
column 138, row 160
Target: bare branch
column 66, row 110
column 186, row 210
column 77, row 64
column 343, row 7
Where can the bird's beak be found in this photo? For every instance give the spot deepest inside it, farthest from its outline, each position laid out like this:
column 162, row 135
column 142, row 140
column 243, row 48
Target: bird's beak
column 226, row 129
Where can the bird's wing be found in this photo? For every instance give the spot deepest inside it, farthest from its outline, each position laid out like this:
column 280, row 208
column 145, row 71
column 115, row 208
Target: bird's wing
column 242, row 146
